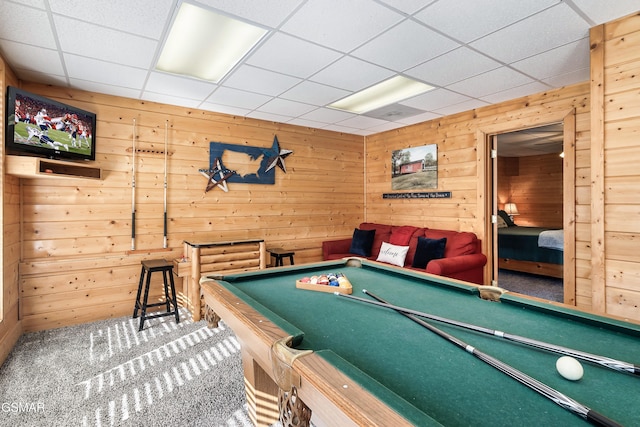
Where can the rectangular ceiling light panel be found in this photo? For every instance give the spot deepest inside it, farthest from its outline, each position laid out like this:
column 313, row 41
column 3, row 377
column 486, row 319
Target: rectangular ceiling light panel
column 205, row 44
column 387, row 92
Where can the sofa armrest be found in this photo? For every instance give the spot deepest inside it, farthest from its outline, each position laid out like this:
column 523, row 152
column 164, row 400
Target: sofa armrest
column 340, row 246
column 456, row 264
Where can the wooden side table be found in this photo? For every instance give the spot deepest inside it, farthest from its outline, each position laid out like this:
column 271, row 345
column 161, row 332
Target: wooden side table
column 202, row 258
column 279, row 254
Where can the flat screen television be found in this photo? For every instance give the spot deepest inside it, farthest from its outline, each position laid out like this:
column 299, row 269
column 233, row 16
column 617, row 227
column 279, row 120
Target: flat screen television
column 36, row 125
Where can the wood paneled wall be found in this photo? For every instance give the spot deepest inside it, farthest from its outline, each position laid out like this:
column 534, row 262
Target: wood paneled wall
column 607, row 178
column 457, row 172
column 71, row 238
column 461, row 151
column 534, row 184
column 77, row 264
column 10, row 325
column 615, row 214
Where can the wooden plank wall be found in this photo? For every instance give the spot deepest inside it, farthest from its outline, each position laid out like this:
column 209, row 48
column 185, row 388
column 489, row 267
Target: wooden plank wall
column 76, row 261
column 75, row 234
column 534, row 184
column 10, row 326
column 616, row 81
column 459, row 168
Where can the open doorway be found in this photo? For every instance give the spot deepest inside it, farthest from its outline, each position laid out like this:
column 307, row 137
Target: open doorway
column 529, row 198
column 488, row 193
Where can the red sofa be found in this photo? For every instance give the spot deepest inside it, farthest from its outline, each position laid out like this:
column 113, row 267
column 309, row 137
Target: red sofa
column 463, row 258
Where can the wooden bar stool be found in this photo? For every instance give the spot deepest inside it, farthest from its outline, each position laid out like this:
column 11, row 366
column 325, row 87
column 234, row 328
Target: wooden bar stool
column 279, row 254
column 148, row 267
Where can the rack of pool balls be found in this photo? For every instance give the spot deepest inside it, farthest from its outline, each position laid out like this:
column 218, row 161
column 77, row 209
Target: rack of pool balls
column 332, row 282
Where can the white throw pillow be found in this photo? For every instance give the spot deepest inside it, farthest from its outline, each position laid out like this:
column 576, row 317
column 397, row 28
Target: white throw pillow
column 392, row 254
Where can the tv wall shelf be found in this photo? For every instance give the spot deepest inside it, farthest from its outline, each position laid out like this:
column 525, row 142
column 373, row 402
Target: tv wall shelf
column 37, row 167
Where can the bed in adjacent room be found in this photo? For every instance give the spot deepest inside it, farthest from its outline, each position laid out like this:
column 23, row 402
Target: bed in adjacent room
column 534, row 250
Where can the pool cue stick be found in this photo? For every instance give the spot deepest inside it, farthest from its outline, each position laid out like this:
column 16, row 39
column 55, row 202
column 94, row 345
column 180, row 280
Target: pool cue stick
column 606, row 362
column 550, row 393
column 166, row 124
column 133, row 189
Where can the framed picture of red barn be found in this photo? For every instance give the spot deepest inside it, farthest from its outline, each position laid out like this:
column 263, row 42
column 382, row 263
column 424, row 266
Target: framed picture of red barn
column 414, row 168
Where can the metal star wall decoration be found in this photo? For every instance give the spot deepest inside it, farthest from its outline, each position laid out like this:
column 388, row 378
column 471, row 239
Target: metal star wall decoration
column 217, row 176
column 278, row 158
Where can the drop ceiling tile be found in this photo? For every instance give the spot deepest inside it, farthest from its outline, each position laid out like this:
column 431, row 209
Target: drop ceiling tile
column 225, row 109
column 560, row 60
column 27, row 57
column 345, row 27
column 16, row 18
column 237, row 98
column 169, row 99
column 289, row 55
column 361, row 122
column 515, row 92
column 286, row 108
column 104, row 44
column 467, row 20
column 385, row 127
column 134, row 17
column 464, row 106
column 268, row 116
column 507, row 44
column 435, row 99
column 439, row 71
column 181, row 87
column 307, row 123
column 314, row 93
column 600, row 11
column 408, row 6
column 576, row 76
column 34, row 3
column 497, row 80
column 336, row 26
column 102, row 88
column 271, row 13
column 103, row 72
column 327, row 115
column 345, row 129
column 46, row 79
column 351, row 74
column 261, row 81
column 404, row 46
column 418, row 118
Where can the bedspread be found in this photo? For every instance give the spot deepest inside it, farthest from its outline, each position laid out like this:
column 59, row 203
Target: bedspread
column 553, row 239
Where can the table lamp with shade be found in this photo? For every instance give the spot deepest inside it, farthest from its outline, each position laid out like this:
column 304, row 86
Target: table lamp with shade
column 511, row 209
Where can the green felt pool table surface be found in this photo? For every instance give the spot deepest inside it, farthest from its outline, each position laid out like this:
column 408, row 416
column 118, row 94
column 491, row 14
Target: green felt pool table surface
column 427, row 379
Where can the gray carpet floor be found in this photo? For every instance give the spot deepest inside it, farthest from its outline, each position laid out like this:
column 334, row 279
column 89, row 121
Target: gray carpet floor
column 107, row 373
column 548, row 288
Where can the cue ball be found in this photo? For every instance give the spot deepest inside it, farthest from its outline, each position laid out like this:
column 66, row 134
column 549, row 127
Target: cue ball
column 569, row 368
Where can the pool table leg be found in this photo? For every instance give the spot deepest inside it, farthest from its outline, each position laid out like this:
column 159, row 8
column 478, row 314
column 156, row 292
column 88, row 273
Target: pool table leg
column 262, row 393
column 267, row 403
column 293, row 411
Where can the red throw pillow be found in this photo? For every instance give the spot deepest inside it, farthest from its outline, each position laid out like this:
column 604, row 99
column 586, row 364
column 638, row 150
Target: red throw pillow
column 401, row 235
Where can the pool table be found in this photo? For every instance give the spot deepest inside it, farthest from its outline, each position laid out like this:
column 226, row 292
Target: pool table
column 370, row 365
